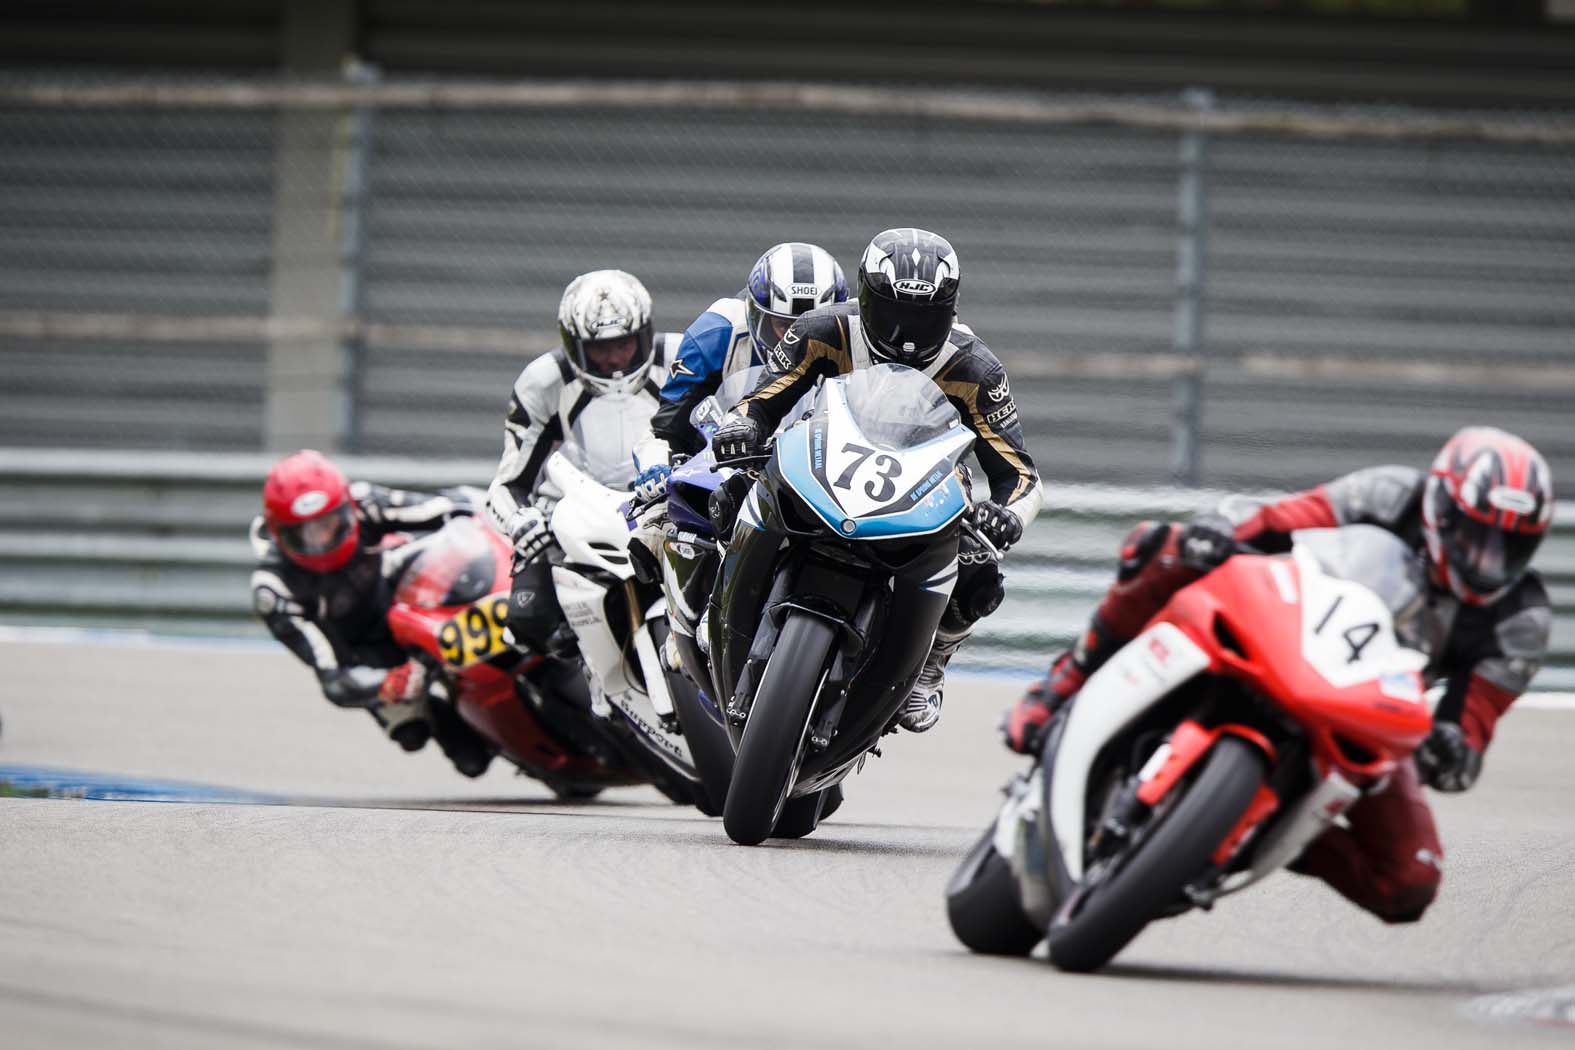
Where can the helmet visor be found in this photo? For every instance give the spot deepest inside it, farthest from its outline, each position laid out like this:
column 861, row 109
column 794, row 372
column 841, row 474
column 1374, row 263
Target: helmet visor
column 765, row 327
column 907, row 332
column 319, row 535
column 1485, row 557
column 615, row 357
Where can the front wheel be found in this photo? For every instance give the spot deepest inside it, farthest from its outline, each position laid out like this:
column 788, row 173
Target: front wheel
column 984, row 907
column 1097, row 923
column 768, row 754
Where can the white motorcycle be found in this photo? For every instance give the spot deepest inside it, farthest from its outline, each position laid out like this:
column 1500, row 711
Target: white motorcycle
column 621, row 625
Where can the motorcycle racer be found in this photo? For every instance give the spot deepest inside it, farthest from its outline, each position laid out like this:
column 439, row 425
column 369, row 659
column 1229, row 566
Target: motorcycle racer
column 906, row 314
column 596, row 392
column 329, row 555
column 734, row 333
column 1474, row 520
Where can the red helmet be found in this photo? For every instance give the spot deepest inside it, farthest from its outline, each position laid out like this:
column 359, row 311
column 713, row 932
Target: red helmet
column 1487, row 505
column 307, row 505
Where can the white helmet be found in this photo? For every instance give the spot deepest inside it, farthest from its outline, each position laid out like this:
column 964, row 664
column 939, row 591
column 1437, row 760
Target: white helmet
column 605, row 322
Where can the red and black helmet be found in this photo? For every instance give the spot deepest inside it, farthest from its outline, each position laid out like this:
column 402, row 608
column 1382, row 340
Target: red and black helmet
column 307, row 506
column 1487, row 505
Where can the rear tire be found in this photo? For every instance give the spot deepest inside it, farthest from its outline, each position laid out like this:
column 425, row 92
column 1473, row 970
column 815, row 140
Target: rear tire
column 986, row 912
column 709, row 745
column 800, row 816
column 1177, row 851
column 774, row 734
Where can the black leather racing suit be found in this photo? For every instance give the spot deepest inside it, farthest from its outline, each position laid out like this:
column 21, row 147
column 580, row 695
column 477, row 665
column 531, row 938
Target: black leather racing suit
column 829, row 342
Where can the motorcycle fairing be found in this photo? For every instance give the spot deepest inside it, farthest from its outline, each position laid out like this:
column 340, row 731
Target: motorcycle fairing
column 1143, row 672
column 1334, row 665
column 590, row 527
column 815, row 462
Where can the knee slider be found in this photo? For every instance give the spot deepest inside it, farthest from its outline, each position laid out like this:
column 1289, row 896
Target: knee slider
column 1407, row 899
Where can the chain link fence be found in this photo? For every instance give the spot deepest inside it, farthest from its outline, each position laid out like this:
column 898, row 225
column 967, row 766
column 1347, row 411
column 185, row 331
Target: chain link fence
column 1298, row 291
column 1236, row 294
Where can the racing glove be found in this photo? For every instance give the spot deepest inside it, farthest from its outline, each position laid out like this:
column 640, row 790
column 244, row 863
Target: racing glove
column 738, row 440
column 999, row 525
column 1446, row 760
column 650, row 484
column 404, row 684
column 1206, row 542
column 527, row 529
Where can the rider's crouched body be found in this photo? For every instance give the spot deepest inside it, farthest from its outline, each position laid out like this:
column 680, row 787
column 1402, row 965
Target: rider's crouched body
column 908, row 283
column 1474, row 520
column 595, row 394
column 329, row 556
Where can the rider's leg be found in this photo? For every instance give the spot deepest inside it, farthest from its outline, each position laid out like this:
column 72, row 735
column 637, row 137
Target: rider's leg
column 978, row 591
column 534, row 613
column 461, row 744
column 1389, row 861
column 1151, row 569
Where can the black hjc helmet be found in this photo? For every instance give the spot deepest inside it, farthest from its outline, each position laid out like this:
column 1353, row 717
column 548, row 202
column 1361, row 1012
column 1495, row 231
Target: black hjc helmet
column 908, row 281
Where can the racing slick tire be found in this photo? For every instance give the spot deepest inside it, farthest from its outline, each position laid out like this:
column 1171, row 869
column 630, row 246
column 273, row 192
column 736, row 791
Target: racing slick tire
column 1091, row 927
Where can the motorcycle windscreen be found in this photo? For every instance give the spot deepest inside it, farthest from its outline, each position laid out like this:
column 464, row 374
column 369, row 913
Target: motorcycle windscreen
column 878, row 456
column 458, row 565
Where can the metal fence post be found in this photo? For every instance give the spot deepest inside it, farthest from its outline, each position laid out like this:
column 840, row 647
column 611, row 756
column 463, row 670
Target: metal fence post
column 1186, row 452
column 352, row 244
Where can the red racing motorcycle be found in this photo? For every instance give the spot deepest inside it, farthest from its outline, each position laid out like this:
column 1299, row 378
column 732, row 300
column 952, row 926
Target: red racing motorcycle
column 449, row 609
column 1254, row 709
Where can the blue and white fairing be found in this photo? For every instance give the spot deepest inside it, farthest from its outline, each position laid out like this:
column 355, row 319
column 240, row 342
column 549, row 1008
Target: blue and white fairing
column 877, row 458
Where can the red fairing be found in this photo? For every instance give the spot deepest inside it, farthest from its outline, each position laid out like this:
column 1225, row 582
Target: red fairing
column 1359, row 729
column 481, row 671
column 1484, row 705
column 1305, row 510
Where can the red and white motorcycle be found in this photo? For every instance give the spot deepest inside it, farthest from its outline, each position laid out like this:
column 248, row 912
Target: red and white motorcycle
column 1254, row 709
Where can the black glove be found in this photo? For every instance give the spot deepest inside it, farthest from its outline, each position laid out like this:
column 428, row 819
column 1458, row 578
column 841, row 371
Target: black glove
column 1206, row 542
column 738, row 440
column 1446, row 760
column 999, row 525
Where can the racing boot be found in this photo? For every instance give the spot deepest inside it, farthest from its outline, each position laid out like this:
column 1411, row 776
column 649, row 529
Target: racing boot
column 922, row 709
column 467, row 749
column 400, row 707
column 1026, row 720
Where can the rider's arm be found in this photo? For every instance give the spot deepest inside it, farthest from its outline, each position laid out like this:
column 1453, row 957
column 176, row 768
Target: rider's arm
column 403, row 510
column 531, row 430
column 695, row 374
column 816, row 346
column 1375, row 496
column 984, row 397
column 289, row 622
column 1503, row 671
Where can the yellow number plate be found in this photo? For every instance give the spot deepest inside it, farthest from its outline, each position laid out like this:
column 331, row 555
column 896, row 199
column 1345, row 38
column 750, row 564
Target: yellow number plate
column 475, row 634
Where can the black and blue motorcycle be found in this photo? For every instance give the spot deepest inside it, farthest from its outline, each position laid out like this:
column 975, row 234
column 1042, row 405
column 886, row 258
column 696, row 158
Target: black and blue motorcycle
column 835, row 574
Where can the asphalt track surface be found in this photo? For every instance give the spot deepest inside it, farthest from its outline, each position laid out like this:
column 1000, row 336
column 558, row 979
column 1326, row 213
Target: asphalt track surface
column 400, row 906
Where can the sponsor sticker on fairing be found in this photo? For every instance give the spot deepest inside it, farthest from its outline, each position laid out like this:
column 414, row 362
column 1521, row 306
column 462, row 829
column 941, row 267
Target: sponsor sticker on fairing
column 1402, row 685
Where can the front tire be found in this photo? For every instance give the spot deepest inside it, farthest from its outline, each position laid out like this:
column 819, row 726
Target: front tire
column 800, row 816
column 778, row 719
column 1175, row 853
column 984, row 907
